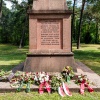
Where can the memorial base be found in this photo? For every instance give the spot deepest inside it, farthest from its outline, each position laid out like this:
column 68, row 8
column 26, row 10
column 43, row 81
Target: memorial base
column 48, row 62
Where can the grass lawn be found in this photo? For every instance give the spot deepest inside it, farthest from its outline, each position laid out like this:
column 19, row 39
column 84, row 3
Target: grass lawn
column 10, row 56
column 45, row 96
column 89, row 54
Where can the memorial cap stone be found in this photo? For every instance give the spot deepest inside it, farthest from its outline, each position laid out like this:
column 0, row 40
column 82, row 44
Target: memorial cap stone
column 49, row 5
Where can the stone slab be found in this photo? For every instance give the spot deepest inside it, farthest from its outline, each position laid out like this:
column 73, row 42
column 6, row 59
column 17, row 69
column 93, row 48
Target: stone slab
column 49, row 12
column 48, row 62
column 92, row 76
column 49, row 5
column 81, row 69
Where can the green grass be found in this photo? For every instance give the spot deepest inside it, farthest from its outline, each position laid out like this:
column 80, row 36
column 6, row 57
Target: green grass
column 45, row 96
column 89, row 54
column 10, row 56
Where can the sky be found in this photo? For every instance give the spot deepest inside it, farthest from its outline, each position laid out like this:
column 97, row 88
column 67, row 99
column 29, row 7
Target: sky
column 8, row 4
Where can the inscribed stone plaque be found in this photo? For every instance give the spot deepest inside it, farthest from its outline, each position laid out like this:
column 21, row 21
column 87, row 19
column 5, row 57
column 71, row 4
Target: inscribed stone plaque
column 49, row 34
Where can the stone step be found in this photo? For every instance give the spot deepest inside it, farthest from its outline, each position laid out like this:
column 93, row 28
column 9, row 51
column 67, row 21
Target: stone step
column 5, row 87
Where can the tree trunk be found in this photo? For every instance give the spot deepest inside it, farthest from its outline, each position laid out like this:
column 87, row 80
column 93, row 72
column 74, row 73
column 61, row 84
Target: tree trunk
column 1, row 8
column 22, row 38
column 96, row 36
column 80, row 23
column 73, row 21
column 23, row 33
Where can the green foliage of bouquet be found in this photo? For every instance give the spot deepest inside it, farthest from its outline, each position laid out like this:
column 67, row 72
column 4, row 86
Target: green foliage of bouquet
column 56, row 81
column 67, row 73
column 4, row 74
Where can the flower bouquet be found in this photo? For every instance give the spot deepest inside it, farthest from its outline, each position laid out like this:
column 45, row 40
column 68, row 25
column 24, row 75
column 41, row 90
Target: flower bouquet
column 56, row 81
column 67, row 73
column 57, row 84
column 42, row 79
column 83, row 81
column 4, row 75
column 21, row 79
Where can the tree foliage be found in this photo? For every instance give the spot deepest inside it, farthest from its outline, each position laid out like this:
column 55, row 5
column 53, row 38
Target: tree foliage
column 14, row 22
column 86, row 22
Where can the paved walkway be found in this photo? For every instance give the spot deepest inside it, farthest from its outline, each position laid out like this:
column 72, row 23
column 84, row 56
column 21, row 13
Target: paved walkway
column 81, row 69
column 92, row 76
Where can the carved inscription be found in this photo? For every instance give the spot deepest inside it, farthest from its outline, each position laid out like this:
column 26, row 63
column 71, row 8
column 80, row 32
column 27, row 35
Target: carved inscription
column 50, row 33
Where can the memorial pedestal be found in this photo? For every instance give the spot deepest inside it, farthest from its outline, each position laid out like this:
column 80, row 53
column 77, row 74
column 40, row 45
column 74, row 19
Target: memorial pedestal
column 49, row 37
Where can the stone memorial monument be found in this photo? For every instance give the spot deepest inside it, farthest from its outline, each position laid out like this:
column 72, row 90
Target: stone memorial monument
column 49, row 37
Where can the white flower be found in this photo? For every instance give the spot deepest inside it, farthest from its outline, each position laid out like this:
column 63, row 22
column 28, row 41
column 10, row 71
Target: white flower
column 46, row 78
column 35, row 78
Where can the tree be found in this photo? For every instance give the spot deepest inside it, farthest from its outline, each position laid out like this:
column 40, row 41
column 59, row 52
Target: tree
column 72, row 24
column 28, row 6
column 14, row 22
column 0, row 8
column 92, row 18
column 80, row 23
column 96, row 15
